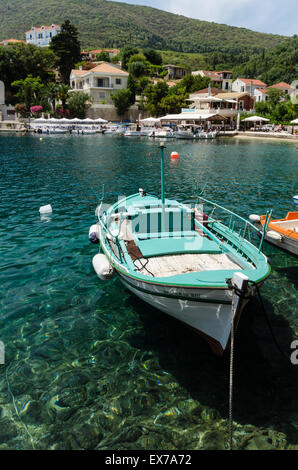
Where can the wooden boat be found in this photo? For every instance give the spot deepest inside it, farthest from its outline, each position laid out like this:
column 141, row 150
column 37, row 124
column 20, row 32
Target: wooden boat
column 282, row 233
column 179, row 260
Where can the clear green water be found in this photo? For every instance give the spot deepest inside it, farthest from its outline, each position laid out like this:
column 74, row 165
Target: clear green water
column 89, row 366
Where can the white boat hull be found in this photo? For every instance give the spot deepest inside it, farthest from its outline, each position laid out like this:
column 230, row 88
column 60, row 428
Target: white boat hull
column 208, row 311
column 286, row 243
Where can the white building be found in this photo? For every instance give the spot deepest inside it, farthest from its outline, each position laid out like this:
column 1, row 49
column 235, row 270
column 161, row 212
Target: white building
column 247, row 85
column 223, row 78
column 260, row 94
column 6, row 112
column 99, row 82
column 42, row 36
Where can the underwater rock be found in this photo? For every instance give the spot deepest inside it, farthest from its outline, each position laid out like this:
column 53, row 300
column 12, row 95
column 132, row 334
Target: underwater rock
column 33, row 412
column 259, row 443
column 84, row 436
column 8, row 430
column 214, row 440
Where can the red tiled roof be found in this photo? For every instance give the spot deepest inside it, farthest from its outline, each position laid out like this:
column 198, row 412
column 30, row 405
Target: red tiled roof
column 104, row 67
column 252, row 81
column 213, row 91
column 11, row 40
column 42, row 28
column 262, row 90
column 281, row 85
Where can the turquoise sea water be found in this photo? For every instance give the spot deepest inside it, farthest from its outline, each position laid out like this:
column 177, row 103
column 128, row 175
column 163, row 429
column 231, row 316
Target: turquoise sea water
column 88, row 365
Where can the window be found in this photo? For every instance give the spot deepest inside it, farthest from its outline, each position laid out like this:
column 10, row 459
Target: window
column 118, row 81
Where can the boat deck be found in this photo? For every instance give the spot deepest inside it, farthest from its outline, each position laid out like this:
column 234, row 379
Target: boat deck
column 165, row 266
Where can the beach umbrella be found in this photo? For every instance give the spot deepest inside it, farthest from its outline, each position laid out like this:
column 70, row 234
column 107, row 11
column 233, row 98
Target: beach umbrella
column 255, row 119
column 295, row 121
column 150, row 119
column 100, row 120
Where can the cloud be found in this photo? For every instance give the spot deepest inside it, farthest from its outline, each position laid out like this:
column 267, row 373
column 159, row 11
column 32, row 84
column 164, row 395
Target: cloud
column 267, row 16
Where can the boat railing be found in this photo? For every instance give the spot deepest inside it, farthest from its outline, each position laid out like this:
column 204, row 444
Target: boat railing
column 232, row 221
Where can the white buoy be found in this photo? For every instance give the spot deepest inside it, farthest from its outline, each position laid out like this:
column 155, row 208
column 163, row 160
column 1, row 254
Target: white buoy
column 274, row 235
column 102, row 267
column 295, row 199
column 46, row 209
column 94, row 233
column 254, row 218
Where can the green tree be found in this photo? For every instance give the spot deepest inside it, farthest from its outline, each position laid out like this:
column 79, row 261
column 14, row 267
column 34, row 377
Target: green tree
column 67, row 48
column 20, row 60
column 122, row 101
column 137, row 69
column 172, row 104
column 132, row 86
column 63, row 94
column 126, row 53
column 30, row 90
column 51, row 93
column 78, row 103
column 154, row 95
column 153, row 56
column 103, row 56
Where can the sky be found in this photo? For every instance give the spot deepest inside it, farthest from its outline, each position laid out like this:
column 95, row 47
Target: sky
column 265, row 16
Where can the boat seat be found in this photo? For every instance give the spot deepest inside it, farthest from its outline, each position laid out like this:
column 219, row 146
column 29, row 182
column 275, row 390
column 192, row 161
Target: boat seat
column 175, row 245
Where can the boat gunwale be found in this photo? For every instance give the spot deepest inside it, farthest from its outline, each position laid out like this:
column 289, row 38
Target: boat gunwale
column 124, row 268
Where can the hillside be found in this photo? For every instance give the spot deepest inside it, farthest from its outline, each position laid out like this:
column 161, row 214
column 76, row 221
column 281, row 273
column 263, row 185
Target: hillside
column 111, row 24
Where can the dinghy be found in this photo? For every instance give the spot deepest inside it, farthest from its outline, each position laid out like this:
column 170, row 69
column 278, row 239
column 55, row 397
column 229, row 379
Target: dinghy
column 181, row 259
column 282, row 233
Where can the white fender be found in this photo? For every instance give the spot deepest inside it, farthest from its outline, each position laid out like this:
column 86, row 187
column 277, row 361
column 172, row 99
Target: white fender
column 102, row 267
column 94, row 229
column 254, row 218
column 274, row 235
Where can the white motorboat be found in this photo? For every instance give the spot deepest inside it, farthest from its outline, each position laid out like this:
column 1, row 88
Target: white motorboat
column 184, row 132
column 165, row 132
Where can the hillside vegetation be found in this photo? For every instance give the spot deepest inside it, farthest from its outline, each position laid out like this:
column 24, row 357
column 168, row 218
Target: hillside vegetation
column 104, row 23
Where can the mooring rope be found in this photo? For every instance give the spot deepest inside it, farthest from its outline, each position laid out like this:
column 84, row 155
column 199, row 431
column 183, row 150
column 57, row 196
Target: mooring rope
column 231, row 374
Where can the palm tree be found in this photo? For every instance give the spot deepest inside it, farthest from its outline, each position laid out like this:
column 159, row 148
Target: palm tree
column 63, row 94
column 52, row 94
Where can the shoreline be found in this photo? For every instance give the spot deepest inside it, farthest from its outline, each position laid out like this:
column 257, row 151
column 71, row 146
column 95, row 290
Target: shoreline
column 271, row 137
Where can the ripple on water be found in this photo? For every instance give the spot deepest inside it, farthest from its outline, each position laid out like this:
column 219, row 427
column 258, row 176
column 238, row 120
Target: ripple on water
column 88, row 366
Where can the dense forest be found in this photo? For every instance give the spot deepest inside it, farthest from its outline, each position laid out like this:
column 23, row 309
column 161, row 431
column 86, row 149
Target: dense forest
column 104, row 23
column 272, row 66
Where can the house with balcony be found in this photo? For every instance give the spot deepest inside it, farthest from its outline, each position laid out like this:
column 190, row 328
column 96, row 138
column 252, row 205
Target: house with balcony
column 43, row 35
column 247, row 85
column 174, row 72
column 222, row 78
column 99, row 82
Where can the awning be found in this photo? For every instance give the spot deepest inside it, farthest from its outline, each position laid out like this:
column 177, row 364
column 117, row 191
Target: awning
column 255, row 119
column 150, row 119
column 193, row 117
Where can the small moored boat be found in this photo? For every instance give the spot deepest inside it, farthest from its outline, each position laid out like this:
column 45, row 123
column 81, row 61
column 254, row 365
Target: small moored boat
column 180, row 259
column 282, row 233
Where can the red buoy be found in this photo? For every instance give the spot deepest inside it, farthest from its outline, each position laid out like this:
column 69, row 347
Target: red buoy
column 174, row 155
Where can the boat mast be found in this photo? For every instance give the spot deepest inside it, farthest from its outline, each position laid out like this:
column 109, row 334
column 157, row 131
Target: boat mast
column 162, row 174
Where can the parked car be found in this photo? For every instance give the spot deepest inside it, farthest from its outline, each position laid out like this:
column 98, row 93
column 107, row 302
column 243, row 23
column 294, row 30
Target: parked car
column 268, row 128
